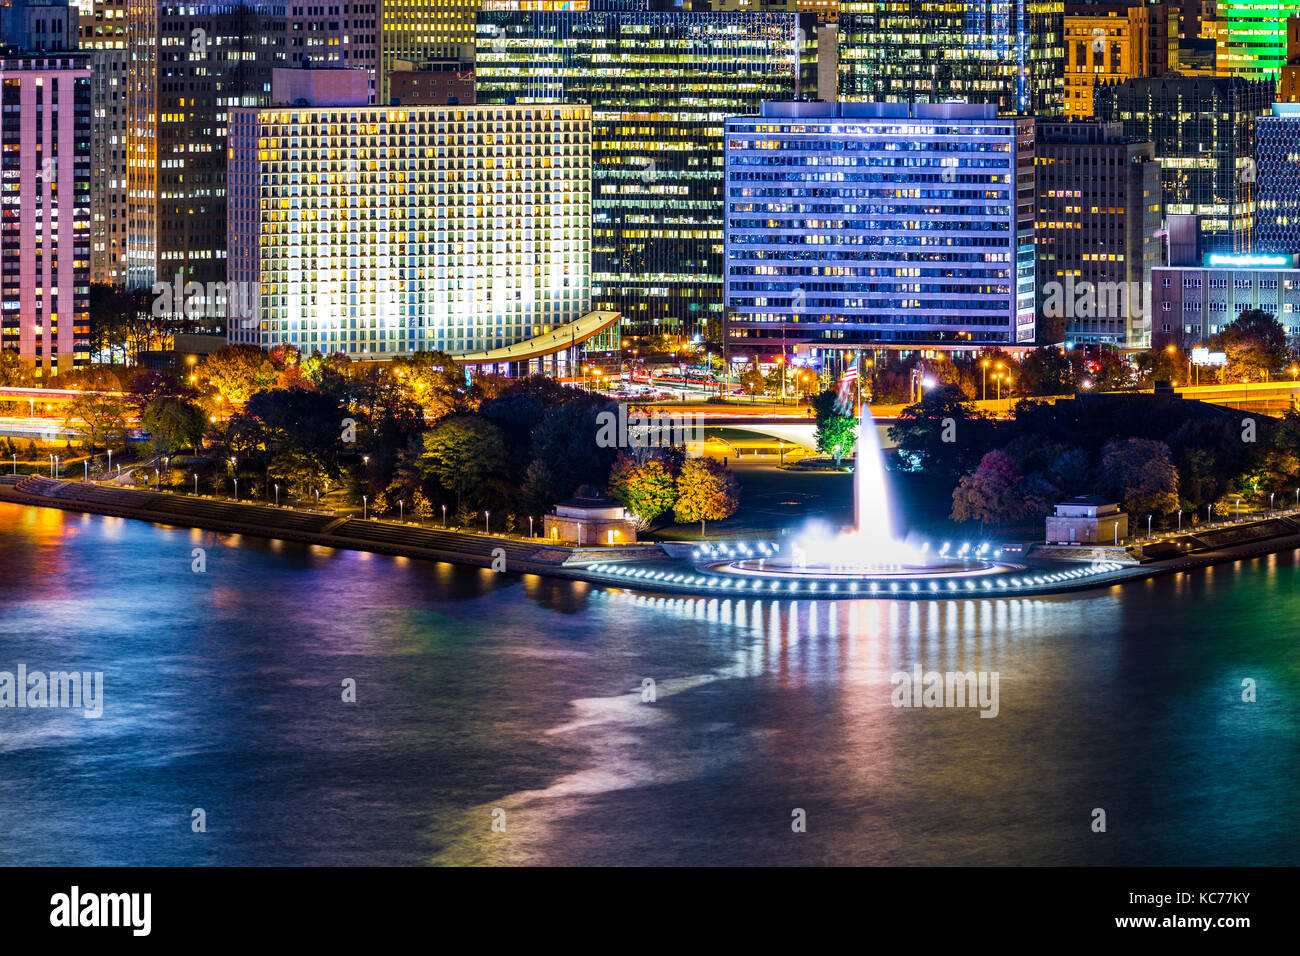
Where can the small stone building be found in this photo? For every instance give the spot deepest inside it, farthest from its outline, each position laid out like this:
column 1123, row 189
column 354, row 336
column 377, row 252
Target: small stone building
column 1088, row 519
column 590, row 521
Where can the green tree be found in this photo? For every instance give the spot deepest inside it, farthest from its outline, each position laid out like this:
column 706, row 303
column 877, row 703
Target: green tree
column 173, row 424
column 463, row 451
column 835, row 431
column 706, row 491
column 647, row 489
column 97, row 421
column 940, row 434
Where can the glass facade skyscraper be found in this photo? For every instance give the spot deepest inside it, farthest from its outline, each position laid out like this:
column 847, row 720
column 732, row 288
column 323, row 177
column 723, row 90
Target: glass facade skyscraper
column 876, row 225
column 188, row 66
column 1007, row 52
column 1203, row 128
column 1277, row 159
column 660, row 85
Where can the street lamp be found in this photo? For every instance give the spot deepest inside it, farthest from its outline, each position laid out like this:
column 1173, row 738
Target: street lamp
column 444, row 517
column 401, row 511
column 530, row 526
column 487, row 516
column 1270, row 501
column 365, row 506
column 277, row 494
column 1180, row 520
column 196, row 484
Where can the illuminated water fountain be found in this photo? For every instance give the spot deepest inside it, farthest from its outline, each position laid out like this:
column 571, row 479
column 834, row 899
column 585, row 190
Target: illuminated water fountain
column 873, row 551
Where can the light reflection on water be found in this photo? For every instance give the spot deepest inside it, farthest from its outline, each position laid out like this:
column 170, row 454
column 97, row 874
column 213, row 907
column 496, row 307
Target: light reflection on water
column 479, row 692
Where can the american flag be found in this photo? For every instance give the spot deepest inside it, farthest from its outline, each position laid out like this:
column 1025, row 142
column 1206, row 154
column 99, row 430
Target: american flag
column 850, row 376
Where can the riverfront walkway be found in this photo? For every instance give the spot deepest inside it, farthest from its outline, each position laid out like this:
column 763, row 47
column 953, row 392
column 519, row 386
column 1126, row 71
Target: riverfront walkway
column 314, row 527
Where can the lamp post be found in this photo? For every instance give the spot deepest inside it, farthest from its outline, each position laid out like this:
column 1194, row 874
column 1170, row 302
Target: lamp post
column 236, row 489
column 1270, row 501
column 196, row 484
column 1180, row 520
column 530, row 526
column 56, row 466
column 110, row 459
column 401, row 511
column 487, row 516
column 85, row 472
column 1148, row 526
column 277, row 494
column 16, row 472
column 444, row 517
column 365, row 506
column 984, row 375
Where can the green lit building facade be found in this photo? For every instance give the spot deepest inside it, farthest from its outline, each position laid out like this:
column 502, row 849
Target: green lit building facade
column 1010, row 53
column 660, row 85
column 1252, row 38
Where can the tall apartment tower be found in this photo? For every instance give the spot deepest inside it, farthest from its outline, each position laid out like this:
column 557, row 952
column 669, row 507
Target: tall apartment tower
column 1203, row 130
column 45, row 189
column 1097, row 233
column 868, row 226
column 1110, row 42
column 189, row 66
column 381, row 231
column 1010, row 53
column 660, row 84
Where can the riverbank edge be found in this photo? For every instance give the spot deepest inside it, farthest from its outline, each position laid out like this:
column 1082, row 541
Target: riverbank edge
column 580, row 571
column 266, row 530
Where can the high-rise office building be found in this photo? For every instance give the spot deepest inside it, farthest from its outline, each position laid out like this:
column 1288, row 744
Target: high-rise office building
column 1203, row 130
column 1108, row 42
column 879, row 225
column 422, row 30
column 1251, row 40
column 383, row 231
column 1007, row 52
column 38, row 26
column 45, row 193
column 660, row 85
column 333, row 35
column 1277, row 162
column 189, row 65
column 1097, row 233
column 103, row 38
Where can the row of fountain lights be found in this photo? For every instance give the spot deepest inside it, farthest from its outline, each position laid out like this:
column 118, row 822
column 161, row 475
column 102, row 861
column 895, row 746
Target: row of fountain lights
column 740, row 549
column 646, row 575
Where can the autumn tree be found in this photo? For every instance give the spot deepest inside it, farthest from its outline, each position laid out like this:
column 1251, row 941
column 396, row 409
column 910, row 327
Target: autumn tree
column 1255, row 344
column 706, row 491
column 237, row 372
column 992, row 493
column 1140, row 473
column 647, row 489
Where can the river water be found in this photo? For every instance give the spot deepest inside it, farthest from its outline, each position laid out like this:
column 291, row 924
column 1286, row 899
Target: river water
column 511, row 701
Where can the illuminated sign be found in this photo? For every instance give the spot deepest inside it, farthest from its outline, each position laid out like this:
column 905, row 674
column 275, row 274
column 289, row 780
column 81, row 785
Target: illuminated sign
column 1224, row 260
column 1206, row 357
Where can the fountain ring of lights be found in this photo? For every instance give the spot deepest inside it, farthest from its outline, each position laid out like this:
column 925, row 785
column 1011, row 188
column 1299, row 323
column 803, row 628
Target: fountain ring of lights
column 784, row 570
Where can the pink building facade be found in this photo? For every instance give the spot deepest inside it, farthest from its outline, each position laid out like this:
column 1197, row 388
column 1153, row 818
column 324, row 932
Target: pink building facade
column 45, row 209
